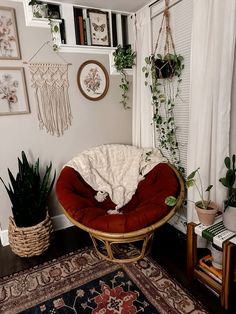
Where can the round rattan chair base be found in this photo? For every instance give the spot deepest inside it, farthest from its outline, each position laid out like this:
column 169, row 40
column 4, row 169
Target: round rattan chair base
column 105, row 242
column 30, row 241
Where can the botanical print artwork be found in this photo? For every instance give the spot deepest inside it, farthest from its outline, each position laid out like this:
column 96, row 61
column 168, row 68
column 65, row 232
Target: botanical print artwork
column 13, row 96
column 8, row 90
column 93, row 80
column 9, row 47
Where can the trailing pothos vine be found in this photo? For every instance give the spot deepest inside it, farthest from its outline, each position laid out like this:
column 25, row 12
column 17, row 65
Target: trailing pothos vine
column 163, row 76
column 124, row 58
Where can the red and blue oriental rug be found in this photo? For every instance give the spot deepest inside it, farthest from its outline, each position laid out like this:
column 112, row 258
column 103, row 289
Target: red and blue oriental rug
column 80, row 282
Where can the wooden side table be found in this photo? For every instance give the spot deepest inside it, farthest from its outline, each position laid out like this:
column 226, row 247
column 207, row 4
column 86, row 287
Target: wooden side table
column 224, row 290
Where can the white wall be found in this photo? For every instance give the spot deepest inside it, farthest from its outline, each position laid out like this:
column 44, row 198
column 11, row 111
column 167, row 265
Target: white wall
column 94, row 123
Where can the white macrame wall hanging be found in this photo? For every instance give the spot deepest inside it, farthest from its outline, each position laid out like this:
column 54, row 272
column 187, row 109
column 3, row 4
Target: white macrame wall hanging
column 50, row 82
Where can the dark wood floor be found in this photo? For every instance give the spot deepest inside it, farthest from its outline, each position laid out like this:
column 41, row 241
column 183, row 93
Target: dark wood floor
column 169, row 250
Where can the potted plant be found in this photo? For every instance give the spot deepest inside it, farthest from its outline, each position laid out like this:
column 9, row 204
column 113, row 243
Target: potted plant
column 206, row 209
column 39, row 9
column 30, row 227
column 124, row 58
column 166, row 66
column 56, row 35
column 229, row 215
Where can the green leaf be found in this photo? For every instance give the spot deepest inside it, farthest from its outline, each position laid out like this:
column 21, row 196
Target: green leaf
column 170, row 201
column 209, row 188
column 192, row 174
column 224, row 182
column 190, row 182
column 227, row 162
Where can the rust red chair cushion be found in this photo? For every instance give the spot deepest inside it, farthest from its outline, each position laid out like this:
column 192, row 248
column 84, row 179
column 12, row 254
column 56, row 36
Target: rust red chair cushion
column 146, row 207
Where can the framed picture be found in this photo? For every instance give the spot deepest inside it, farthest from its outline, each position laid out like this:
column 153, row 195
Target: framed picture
column 13, row 94
column 93, row 80
column 9, row 42
column 99, row 28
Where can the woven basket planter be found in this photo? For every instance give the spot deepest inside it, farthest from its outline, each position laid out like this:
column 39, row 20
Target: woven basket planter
column 30, row 241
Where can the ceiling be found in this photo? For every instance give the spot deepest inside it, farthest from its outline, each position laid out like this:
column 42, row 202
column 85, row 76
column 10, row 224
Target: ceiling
column 118, row 5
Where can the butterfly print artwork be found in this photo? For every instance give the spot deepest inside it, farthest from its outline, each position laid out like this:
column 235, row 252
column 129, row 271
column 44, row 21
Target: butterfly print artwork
column 99, row 28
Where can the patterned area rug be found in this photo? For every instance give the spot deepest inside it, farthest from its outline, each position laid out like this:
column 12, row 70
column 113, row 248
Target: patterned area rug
column 80, row 282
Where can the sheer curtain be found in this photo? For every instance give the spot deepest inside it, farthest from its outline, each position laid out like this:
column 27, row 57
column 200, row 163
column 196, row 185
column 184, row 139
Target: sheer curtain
column 212, row 59
column 142, row 128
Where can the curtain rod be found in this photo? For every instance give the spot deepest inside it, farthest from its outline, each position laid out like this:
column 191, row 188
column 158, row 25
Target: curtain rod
column 153, row 3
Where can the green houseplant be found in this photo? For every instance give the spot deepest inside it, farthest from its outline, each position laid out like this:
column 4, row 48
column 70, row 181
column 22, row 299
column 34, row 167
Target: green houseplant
column 205, row 208
column 39, row 9
column 28, row 193
column 124, row 58
column 229, row 215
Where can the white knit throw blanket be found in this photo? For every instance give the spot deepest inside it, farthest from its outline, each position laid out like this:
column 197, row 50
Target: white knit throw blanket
column 115, row 169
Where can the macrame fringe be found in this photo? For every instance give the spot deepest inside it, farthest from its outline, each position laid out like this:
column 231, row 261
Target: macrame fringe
column 50, row 82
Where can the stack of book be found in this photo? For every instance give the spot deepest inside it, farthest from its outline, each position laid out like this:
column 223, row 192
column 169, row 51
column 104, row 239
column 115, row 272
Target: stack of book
column 205, row 265
column 216, row 233
column 82, row 27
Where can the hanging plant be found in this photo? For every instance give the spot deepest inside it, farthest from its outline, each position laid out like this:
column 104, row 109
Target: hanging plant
column 124, row 58
column 55, row 32
column 163, row 75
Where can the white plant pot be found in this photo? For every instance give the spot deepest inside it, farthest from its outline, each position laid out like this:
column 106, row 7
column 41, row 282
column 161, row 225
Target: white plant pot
column 229, row 218
column 40, row 10
column 217, row 257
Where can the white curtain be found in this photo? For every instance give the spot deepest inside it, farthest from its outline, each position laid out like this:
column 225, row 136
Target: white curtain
column 212, row 59
column 142, row 128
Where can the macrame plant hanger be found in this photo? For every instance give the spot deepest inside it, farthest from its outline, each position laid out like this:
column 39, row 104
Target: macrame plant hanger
column 165, row 34
column 50, row 82
column 166, row 66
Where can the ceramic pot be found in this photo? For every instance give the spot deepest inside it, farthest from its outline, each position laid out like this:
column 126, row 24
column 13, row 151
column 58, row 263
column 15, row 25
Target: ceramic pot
column 40, row 10
column 217, row 256
column 206, row 216
column 165, row 68
column 229, row 218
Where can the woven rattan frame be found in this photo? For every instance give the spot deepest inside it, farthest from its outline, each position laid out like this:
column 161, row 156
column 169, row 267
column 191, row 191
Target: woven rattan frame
column 30, row 241
column 145, row 234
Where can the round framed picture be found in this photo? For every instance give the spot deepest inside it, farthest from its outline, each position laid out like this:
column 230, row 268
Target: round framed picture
column 93, row 80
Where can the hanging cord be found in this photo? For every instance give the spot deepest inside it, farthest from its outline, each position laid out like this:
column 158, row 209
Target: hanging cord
column 40, row 48
column 169, row 43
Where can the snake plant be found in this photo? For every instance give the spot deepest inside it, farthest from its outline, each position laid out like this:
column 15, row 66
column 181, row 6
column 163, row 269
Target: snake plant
column 29, row 192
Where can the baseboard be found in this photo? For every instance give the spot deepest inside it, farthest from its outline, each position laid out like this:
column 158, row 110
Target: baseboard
column 179, row 222
column 4, row 237
column 59, row 222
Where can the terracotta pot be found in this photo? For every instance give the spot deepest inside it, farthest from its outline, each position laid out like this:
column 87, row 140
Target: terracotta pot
column 206, row 216
column 229, row 218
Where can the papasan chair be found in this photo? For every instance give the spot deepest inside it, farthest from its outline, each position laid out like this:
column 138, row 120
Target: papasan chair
column 117, row 194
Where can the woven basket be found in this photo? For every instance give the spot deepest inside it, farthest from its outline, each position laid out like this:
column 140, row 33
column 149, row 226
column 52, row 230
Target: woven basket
column 30, row 241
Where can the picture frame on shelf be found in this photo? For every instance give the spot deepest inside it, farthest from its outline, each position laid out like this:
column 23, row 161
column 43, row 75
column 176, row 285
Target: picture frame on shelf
column 9, row 40
column 93, row 80
column 13, row 92
column 99, row 28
